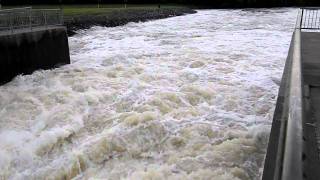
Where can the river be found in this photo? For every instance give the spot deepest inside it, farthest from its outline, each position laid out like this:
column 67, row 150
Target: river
column 189, row 97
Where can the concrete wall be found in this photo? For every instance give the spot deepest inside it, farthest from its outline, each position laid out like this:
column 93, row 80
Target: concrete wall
column 25, row 52
column 297, row 104
column 274, row 156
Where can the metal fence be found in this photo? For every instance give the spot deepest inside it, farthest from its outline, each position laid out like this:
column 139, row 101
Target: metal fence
column 309, row 19
column 12, row 20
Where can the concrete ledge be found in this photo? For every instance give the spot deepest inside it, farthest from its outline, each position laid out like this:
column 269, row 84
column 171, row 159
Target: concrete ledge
column 274, row 156
column 284, row 158
column 25, row 52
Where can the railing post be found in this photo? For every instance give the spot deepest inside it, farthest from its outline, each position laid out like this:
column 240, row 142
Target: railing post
column 10, row 22
column 301, row 19
column 61, row 17
column 45, row 19
column 30, row 19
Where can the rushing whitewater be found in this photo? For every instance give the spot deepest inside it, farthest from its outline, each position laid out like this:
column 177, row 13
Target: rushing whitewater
column 189, row 97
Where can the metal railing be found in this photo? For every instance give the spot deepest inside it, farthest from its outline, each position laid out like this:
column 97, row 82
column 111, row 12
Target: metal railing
column 309, row 19
column 15, row 19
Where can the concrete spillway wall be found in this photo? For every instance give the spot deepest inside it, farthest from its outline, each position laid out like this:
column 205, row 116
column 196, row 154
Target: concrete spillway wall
column 293, row 150
column 284, row 158
column 25, row 52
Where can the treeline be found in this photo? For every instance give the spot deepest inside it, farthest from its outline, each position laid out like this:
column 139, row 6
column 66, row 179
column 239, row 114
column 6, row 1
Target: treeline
column 205, row 3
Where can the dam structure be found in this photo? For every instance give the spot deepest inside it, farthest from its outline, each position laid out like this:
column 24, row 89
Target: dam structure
column 188, row 97
column 293, row 150
column 31, row 39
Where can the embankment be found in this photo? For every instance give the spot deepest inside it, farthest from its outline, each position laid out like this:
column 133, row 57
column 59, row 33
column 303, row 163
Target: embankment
column 121, row 17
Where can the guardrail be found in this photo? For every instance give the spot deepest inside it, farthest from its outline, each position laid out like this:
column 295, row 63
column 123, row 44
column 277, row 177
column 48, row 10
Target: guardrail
column 284, row 159
column 12, row 20
column 309, row 19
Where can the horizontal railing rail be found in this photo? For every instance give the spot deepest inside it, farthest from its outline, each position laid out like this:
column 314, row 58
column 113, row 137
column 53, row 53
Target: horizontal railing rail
column 12, row 20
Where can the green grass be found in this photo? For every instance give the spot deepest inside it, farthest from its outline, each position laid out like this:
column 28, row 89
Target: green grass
column 80, row 11
column 70, row 10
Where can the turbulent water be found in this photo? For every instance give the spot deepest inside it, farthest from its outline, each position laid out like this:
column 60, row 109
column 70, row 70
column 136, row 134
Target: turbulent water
column 188, row 97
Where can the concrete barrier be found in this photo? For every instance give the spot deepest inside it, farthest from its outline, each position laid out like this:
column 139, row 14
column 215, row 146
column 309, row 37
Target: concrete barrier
column 285, row 149
column 274, row 156
column 293, row 151
column 25, row 52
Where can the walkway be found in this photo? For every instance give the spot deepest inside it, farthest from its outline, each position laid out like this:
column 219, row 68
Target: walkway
column 310, row 51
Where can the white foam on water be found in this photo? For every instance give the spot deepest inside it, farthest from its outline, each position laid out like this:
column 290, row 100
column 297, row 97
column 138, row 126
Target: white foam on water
column 189, row 97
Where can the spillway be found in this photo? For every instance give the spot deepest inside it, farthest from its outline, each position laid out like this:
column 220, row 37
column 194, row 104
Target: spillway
column 180, row 98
